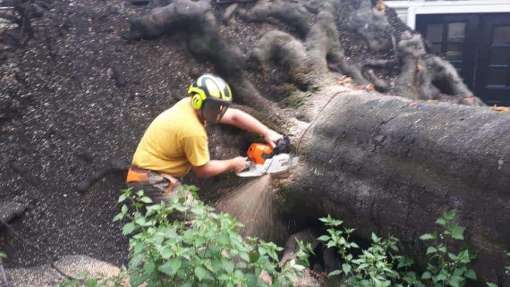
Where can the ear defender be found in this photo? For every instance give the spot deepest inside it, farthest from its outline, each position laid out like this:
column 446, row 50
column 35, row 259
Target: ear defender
column 198, row 97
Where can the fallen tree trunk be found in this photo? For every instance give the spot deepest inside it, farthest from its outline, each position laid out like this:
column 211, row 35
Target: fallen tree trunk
column 392, row 166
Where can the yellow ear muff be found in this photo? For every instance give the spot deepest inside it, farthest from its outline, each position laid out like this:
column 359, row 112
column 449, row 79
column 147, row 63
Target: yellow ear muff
column 198, row 98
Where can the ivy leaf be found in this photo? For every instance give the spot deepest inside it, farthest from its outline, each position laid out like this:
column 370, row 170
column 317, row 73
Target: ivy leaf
column 171, row 267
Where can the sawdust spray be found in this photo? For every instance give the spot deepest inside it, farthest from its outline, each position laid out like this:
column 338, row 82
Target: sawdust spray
column 252, row 205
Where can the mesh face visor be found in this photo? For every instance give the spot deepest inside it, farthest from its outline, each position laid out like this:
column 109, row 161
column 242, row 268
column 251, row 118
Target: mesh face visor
column 213, row 110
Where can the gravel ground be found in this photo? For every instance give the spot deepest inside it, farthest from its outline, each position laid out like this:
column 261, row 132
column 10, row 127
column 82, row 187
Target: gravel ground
column 75, row 97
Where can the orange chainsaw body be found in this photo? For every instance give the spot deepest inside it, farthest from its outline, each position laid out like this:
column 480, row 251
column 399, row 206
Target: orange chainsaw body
column 258, row 152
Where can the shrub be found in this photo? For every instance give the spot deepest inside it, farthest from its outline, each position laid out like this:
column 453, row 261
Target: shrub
column 204, row 248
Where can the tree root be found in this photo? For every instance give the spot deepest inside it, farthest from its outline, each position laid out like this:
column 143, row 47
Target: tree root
column 370, row 22
column 321, row 45
column 290, row 13
column 180, row 13
column 285, row 50
column 199, row 24
column 113, row 166
column 428, row 77
column 446, row 78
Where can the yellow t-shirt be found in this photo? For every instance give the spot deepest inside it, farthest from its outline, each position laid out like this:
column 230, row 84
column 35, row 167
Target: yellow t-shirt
column 174, row 142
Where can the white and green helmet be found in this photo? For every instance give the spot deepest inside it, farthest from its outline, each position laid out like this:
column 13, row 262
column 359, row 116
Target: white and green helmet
column 211, row 95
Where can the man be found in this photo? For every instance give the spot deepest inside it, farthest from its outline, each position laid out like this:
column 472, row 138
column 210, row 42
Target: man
column 176, row 141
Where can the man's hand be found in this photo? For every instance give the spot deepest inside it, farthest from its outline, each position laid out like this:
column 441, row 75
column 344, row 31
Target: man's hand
column 271, row 137
column 238, row 164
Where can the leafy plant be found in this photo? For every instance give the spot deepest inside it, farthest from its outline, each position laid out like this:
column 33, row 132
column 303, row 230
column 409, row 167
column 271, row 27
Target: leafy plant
column 381, row 265
column 445, row 267
column 204, row 248
column 375, row 266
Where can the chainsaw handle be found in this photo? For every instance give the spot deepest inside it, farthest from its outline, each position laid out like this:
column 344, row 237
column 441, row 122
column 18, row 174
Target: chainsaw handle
column 282, row 146
column 247, row 164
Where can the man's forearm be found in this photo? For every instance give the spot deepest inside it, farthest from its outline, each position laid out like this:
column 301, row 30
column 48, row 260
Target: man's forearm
column 247, row 122
column 213, row 167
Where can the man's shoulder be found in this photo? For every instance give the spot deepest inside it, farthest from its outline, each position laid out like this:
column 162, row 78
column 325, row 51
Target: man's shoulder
column 187, row 121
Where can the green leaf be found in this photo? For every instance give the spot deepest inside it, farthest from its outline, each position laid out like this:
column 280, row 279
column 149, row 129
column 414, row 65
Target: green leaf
column 91, row 282
column 464, row 256
column 346, row 268
column 457, row 232
column 128, row 228
column 455, row 281
column 405, row 262
column 122, row 198
column 146, row 199
column 431, row 250
column 334, row 273
column 118, row 217
column 490, row 284
column 427, row 236
column 228, row 266
column 426, row 275
column 441, row 221
column 171, row 267
column 470, row 274
column 324, row 238
column 201, row 273
column 450, row 215
column 354, row 245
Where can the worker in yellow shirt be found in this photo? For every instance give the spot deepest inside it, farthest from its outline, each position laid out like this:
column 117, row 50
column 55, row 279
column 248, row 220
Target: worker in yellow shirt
column 176, row 140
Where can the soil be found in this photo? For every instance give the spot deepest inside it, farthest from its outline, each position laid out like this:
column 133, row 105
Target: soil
column 77, row 96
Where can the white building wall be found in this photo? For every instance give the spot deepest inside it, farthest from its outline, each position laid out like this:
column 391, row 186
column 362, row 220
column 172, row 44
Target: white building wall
column 408, row 9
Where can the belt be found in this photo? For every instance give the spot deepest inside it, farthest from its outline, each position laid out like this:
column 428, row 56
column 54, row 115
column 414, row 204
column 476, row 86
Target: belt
column 140, row 175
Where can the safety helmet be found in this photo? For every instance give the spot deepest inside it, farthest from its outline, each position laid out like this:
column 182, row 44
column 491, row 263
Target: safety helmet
column 211, row 95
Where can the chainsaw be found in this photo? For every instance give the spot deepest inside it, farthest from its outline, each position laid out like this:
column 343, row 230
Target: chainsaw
column 263, row 159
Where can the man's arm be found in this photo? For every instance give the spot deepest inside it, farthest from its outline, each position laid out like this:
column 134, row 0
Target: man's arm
column 248, row 123
column 215, row 167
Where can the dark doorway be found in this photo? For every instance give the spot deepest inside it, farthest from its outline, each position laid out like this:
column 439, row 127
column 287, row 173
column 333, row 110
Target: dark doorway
column 478, row 45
